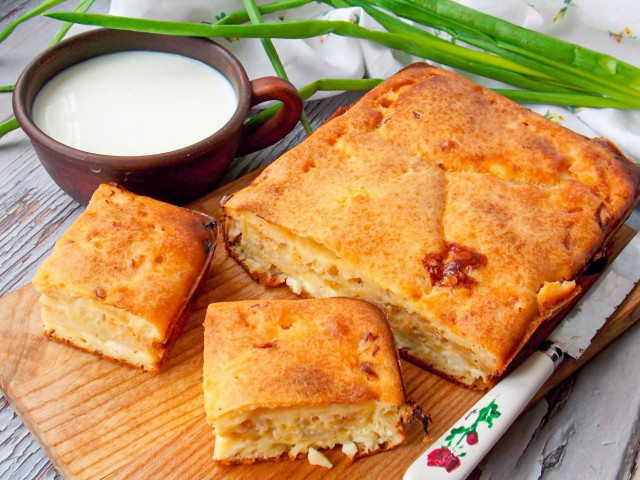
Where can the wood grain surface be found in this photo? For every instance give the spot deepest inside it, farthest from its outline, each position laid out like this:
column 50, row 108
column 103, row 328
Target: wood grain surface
column 96, row 419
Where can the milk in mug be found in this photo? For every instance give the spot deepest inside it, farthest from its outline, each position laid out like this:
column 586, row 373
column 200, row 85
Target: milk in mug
column 135, row 103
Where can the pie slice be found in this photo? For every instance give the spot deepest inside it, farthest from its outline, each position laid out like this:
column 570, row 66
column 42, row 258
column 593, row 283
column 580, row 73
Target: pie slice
column 118, row 281
column 466, row 216
column 288, row 377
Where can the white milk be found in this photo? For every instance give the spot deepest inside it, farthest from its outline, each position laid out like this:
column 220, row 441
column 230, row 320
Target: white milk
column 134, row 103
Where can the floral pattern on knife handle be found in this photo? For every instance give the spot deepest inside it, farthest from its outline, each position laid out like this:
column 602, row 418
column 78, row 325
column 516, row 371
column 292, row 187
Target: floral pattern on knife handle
column 448, row 456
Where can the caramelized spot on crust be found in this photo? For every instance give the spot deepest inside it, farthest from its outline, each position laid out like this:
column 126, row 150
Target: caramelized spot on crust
column 603, row 217
column 447, row 144
column 451, row 266
column 369, row 336
column 367, row 368
column 309, row 380
column 337, row 327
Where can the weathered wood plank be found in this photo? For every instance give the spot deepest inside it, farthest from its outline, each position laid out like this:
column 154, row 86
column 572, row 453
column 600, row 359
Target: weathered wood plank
column 25, row 232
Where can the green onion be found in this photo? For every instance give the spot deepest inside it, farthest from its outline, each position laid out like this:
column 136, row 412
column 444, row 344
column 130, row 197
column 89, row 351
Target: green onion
column 7, row 88
column 325, row 84
column 8, row 126
column 535, row 43
column 295, row 29
column 426, row 47
column 43, row 7
column 83, row 6
column 256, row 18
column 421, row 44
column 566, row 99
column 333, row 84
column 396, row 26
column 241, row 16
column 549, row 65
column 545, row 69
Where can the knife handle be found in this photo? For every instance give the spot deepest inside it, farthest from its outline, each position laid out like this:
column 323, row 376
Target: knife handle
column 454, row 455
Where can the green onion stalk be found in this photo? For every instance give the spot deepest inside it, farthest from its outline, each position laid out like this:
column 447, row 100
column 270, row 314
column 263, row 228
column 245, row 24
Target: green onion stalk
column 544, row 79
column 43, row 7
column 82, row 6
column 256, row 18
column 541, row 69
column 324, row 85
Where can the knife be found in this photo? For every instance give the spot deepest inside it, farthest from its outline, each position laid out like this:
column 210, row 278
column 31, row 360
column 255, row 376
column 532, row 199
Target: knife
column 456, row 453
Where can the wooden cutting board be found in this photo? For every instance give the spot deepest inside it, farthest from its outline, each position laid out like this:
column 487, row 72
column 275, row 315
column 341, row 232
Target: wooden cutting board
column 96, row 419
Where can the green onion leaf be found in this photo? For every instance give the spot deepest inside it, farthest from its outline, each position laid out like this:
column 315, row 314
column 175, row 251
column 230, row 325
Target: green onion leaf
column 536, row 43
column 547, row 69
column 241, row 16
column 43, row 7
column 424, row 46
column 8, row 126
column 82, row 6
column 324, row 84
column 256, row 18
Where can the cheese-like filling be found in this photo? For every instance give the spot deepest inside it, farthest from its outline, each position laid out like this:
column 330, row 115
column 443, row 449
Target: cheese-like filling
column 91, row 325
column 310, row 268
column 271, row 432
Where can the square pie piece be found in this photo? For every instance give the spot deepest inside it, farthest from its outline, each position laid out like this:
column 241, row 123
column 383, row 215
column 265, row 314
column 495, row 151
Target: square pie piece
column 288, row 377
column 119, row 279
column 465, row 215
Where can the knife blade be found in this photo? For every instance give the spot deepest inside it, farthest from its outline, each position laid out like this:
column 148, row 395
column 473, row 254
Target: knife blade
column 579, row 326
column 456, row 453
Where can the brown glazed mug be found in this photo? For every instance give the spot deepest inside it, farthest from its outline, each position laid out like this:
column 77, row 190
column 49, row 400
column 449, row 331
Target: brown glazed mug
column 176, row 176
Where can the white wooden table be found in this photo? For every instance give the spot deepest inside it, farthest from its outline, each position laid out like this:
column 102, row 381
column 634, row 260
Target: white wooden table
column 575, row 437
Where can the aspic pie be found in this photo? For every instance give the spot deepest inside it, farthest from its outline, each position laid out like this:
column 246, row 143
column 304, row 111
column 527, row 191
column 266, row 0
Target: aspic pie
column 286, row 378
column 466, row 216
column 118, row 281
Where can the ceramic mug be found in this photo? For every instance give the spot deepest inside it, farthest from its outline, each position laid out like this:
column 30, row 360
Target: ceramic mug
column 176, row 176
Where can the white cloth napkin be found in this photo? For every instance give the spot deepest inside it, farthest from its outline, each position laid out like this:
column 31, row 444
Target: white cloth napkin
column 610, row 27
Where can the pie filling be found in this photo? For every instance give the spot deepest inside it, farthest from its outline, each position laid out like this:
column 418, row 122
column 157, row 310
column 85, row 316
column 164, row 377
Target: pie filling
column 310, row 268
column 270, row 432
column 93, row 326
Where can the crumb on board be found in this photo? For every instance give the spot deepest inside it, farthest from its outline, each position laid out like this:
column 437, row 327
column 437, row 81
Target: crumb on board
column 317, row 458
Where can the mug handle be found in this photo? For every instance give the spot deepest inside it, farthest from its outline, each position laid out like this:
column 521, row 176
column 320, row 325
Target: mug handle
column 274, row 129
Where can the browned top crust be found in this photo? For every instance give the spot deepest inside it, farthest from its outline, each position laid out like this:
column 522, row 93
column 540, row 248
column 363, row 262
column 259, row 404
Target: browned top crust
column 276, row 353
column 130, row 252
column 429, row 160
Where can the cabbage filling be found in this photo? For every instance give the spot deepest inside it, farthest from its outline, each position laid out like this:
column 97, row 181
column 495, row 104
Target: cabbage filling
column 310, row 268
column 93, row 326
column 270, row 432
